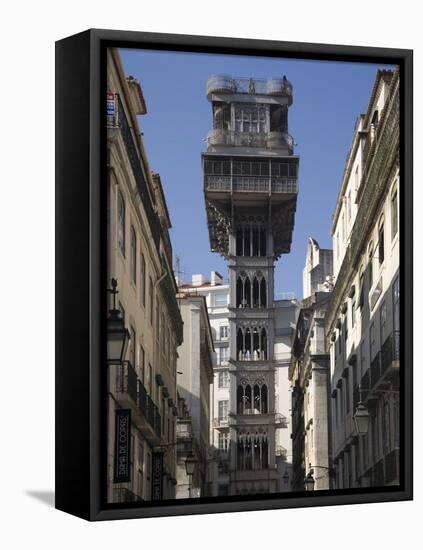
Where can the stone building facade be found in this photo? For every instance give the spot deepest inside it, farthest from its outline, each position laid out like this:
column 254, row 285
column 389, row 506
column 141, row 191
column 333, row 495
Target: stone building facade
column 216, row 293
column 362, row 320
column 140, row 259
column 309, row 374
column 195, row 376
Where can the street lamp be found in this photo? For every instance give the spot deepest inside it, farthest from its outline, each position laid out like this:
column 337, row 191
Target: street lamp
column 190, row 463
column 361, row 419
column 117, row 335
column 309, row 482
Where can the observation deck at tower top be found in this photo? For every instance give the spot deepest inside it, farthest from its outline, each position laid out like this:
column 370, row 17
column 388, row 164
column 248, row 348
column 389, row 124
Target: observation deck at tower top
column 272, row 90
column 250, row 165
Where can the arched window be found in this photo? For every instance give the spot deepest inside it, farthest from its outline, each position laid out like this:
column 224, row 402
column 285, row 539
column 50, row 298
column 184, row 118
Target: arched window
column 263, row 292
column 263, row 344
column 239, row 292
column 240, row 349
column 239, row 241
column 247, row 292
column 121, row 223
column 256, row 293
column 255, row 247
column 264, row 403
column 240, row 400
column 256, row 401
column 263, row 248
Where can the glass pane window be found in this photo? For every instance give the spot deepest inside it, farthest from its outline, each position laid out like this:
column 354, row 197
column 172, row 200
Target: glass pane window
column 133, row 347
column 121, row 223
column 220, row 299
column 223, row 410
column 223, row 379
column 223, row 441
column 133, row 255
column 394, row 214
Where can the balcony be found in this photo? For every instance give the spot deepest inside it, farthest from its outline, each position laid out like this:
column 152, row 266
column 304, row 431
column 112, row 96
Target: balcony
column 126, row 385
column 150, row 423
column 281, row 421
column 251, row 184
column 383, row 371
column 273, row 87
column 390, row 351
column 220, row 423
column 271, row 140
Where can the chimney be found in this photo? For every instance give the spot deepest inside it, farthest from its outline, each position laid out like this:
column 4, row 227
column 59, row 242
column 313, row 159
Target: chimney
column 199, row 279
column 216, row 278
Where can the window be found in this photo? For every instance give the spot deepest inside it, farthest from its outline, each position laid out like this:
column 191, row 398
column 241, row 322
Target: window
column 121, row 223
column 382, row 323
column 143, row 282
column 223, row 332
column 223, row 441
column 133, row 346
column 221, row 299
column 370, row 266
column 361, row 297
column 150, row 300
column 337, row 245
column 343, row 229
column 150, row 379
column 223, row 379
column 341, row 403
column 339, row 343
column 394, row 214
column 381, row 243
column 396, row 303
column 372, row 342
column 356, row 179
column 349, row 205
column 223, row 356
column 347, row 393
column 223, row 410
column 133, row 255
column 362, row 358
column 142, row 363
column 353, row 314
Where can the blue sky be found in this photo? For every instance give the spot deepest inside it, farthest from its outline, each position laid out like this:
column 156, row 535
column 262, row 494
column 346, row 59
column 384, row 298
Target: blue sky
column 328, row 97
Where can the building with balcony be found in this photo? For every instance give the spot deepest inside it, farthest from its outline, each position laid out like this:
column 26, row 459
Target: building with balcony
column 250, row 186
column 215, row 291
column 196, row 358
column 362, row 319
column 309, row 374
column 140, row 259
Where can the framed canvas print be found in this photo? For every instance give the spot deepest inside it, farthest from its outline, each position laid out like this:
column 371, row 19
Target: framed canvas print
column 234, row 275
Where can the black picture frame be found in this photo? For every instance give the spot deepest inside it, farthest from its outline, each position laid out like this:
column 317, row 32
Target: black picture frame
column 80, row 270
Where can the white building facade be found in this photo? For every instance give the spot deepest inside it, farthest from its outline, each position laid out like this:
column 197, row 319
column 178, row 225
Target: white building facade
column 362, row 321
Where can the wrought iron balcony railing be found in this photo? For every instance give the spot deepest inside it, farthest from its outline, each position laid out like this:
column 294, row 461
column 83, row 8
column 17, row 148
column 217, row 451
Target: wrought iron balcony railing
column 271, row 140
column 127, row 380
column 251, row 184
column 227, row 84
column 390, row 350
column 149, row 410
